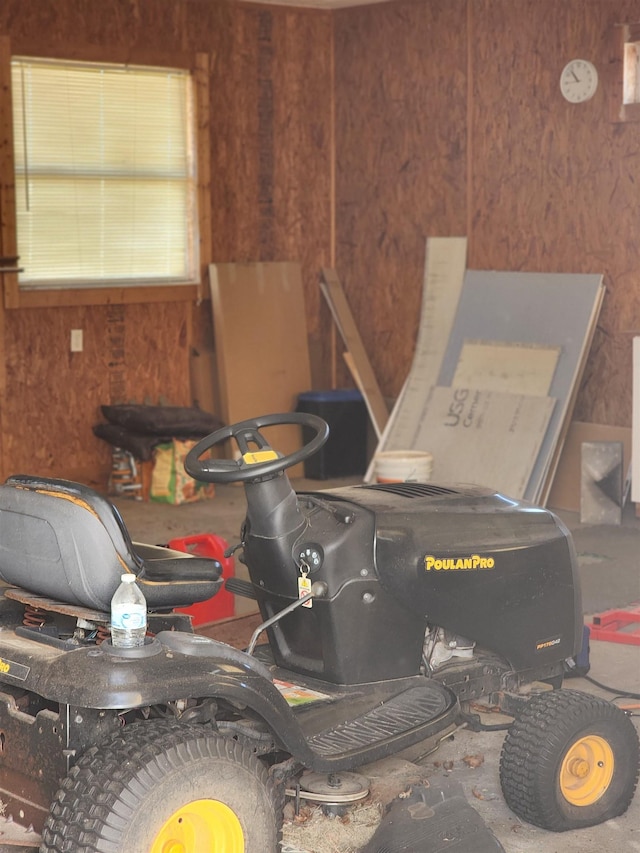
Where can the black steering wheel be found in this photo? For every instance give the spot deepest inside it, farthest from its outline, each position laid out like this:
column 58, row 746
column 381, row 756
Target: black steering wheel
column 258, row 459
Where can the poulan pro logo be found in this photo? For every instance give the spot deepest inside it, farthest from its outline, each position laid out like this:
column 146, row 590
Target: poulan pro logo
column 473, row 563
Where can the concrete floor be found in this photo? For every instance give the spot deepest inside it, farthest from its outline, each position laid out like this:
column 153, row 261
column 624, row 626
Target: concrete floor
column 609, row 560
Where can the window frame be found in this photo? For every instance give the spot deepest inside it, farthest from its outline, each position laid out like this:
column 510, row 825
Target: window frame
column 619, row 111
column 199, row 65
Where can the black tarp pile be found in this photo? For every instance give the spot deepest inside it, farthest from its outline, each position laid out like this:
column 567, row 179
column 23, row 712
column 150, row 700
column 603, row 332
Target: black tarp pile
column 138, row 429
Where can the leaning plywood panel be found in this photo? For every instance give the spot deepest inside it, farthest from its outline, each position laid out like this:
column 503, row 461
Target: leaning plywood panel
column 367, row 382
column 556, row 310
column 261, row 343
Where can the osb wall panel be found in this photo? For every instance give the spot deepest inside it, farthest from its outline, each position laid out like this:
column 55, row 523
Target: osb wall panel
column 137, row 353
column 555, row 185
column 450, row 121
column 133, row 352
column 270, row 98
column 401, row 172
column 271, row 132
column 76, row 27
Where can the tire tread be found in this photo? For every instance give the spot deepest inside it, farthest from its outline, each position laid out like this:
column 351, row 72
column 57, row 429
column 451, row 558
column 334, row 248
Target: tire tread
column 535, row 740
column 82, row 817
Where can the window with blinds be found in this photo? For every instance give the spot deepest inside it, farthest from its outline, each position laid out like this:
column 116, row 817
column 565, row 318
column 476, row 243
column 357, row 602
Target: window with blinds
column 105, row 175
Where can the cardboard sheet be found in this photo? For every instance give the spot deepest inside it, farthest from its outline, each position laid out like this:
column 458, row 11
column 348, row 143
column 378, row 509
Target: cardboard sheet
column 260, row 332
column 506, row 366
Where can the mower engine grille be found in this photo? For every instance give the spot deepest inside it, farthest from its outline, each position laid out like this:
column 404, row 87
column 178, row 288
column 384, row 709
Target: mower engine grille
column 413, row 490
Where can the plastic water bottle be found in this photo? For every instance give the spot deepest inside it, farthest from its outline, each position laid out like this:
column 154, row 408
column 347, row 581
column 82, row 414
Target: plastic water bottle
column 128, row 614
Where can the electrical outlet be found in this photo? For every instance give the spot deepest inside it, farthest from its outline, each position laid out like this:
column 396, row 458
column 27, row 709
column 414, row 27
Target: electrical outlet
column 76, row 340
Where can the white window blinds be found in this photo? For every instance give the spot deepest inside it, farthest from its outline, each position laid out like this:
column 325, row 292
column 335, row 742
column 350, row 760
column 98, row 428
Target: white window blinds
column 105, row 174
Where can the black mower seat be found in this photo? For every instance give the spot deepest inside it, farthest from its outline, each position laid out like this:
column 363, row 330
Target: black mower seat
column 65, row 541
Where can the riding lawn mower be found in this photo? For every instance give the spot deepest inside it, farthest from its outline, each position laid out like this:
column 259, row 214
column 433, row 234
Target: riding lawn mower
column 393, row 612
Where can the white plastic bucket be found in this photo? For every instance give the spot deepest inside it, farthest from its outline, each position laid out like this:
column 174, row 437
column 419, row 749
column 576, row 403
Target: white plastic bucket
column 403, row 466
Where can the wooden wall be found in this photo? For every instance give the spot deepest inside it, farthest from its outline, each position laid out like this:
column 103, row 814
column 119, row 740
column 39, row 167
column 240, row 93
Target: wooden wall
column 451, row 122
column 446, row 119
column 270, row 200
column 401, row 163
column 271, row 151
column 53, row 396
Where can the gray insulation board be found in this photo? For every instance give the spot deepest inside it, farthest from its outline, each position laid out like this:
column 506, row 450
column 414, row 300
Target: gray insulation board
column 555, row 309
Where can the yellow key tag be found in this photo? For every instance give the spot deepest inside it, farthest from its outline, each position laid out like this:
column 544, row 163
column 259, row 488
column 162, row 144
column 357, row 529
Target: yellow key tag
column 304, row 587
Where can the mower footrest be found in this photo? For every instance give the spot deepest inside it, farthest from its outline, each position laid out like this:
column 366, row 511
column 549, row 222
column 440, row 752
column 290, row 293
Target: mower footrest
column 402, row 713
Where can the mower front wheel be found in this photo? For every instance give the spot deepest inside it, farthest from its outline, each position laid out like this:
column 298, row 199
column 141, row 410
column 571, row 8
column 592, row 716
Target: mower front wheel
column 164, row 787
column 570, row 760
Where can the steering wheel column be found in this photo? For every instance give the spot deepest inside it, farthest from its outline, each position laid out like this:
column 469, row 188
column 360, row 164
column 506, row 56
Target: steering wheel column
column 272, row 505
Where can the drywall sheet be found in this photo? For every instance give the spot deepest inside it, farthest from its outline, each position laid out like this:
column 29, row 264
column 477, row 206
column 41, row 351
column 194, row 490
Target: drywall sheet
column 512, row 367
column 565, row 491
column 488, row 438
column 261, row 344
column 557, row 310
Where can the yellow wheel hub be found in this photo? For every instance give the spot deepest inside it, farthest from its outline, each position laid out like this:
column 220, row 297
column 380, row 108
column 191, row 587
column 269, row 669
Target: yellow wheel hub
column 586, row 771
column 203, row 825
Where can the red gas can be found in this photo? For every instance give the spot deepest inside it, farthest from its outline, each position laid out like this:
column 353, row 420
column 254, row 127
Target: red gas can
column 221, row 606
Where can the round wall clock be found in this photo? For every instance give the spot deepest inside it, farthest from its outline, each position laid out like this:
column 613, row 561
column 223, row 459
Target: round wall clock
column 579, row 80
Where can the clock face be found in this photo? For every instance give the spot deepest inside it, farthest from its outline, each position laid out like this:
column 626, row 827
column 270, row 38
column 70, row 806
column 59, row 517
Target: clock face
column 578, row 81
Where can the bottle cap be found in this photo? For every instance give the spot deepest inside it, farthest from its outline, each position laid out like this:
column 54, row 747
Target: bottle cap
column 128, row 578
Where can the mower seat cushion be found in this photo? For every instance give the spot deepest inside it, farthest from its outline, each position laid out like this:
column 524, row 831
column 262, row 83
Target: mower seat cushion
column 65, row 541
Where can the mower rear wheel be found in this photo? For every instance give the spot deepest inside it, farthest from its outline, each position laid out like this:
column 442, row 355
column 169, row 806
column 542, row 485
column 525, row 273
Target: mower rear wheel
column 166, row 788
column 570, row 760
